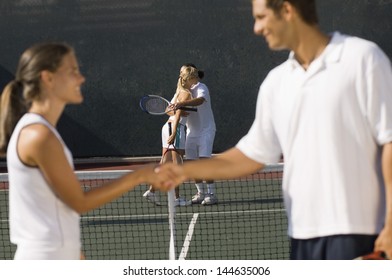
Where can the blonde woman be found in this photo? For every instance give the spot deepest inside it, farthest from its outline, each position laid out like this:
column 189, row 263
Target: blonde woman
column 200, row 133
column 176, row 124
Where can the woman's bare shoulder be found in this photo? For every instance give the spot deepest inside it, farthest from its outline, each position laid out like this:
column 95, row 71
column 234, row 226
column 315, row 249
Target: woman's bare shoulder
column 184, row 95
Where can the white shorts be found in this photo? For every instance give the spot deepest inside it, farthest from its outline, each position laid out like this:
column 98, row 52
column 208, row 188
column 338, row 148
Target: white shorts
column 179, row 142
column 66, row 252
column 199, row 147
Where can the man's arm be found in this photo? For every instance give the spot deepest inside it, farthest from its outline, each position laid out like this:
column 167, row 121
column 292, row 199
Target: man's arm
column 191, row 102
column 384, row 241
column 228, row 165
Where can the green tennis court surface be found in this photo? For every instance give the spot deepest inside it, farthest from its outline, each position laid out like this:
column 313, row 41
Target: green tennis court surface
column 249, row 222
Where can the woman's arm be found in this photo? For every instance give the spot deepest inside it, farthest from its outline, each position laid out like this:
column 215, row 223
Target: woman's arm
column 174, row 124
column 38, row 146
column 183, row 96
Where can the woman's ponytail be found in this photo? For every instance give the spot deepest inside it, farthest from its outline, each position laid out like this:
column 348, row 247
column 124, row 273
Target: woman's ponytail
column 12, row 108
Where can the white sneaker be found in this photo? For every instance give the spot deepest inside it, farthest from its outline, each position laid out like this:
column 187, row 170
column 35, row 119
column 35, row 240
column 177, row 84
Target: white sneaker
column 182, row 202
column 150, row 196
column 198, row 198
column 210, row 199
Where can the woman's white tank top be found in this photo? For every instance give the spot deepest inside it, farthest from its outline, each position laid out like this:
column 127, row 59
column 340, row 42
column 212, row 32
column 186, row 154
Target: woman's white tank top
column 38, row 218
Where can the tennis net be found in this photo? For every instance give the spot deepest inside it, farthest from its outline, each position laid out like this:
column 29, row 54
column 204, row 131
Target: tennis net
column 249, row 222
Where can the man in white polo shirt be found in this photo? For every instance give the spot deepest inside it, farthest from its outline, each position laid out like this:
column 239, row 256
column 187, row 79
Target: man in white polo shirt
column 328, row 110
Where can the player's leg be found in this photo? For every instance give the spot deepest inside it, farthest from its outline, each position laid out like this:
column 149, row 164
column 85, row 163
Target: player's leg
column 150, row 194
column 177, row 160
column 205, row 151
column 192, row 153
column 179, row 200
column 178, row 156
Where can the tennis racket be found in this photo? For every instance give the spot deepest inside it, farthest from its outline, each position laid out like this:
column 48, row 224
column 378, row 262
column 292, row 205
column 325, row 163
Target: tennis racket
column 374, row 256
column 157, row 105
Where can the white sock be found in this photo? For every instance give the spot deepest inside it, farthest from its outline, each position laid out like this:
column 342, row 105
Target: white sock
column 211, row 188
column 200, row 187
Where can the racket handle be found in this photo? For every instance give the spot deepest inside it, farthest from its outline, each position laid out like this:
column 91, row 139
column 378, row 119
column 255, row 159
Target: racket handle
column 188, row 109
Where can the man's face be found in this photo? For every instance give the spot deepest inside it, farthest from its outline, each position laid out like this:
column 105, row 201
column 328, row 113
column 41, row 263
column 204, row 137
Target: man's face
column 273, row 27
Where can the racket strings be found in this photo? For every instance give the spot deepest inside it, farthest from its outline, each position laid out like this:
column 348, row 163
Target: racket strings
column 155, row 105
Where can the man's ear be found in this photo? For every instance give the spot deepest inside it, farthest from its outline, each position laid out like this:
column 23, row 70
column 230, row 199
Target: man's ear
column 288, row 10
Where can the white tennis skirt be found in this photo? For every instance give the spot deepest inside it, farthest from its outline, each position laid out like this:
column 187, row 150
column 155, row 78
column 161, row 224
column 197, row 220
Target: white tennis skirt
column 179, row 142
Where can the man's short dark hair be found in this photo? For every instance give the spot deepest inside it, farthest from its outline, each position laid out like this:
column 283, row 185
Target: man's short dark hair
column 306, row 8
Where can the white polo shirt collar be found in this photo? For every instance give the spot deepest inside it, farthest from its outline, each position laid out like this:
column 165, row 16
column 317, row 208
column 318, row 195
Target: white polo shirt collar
column 331, row 54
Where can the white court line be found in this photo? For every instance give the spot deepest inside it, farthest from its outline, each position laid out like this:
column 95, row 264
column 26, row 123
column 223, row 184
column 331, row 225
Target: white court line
column 188, row 238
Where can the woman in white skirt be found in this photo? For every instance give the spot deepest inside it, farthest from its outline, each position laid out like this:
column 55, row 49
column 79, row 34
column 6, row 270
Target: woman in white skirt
column 174, row 133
